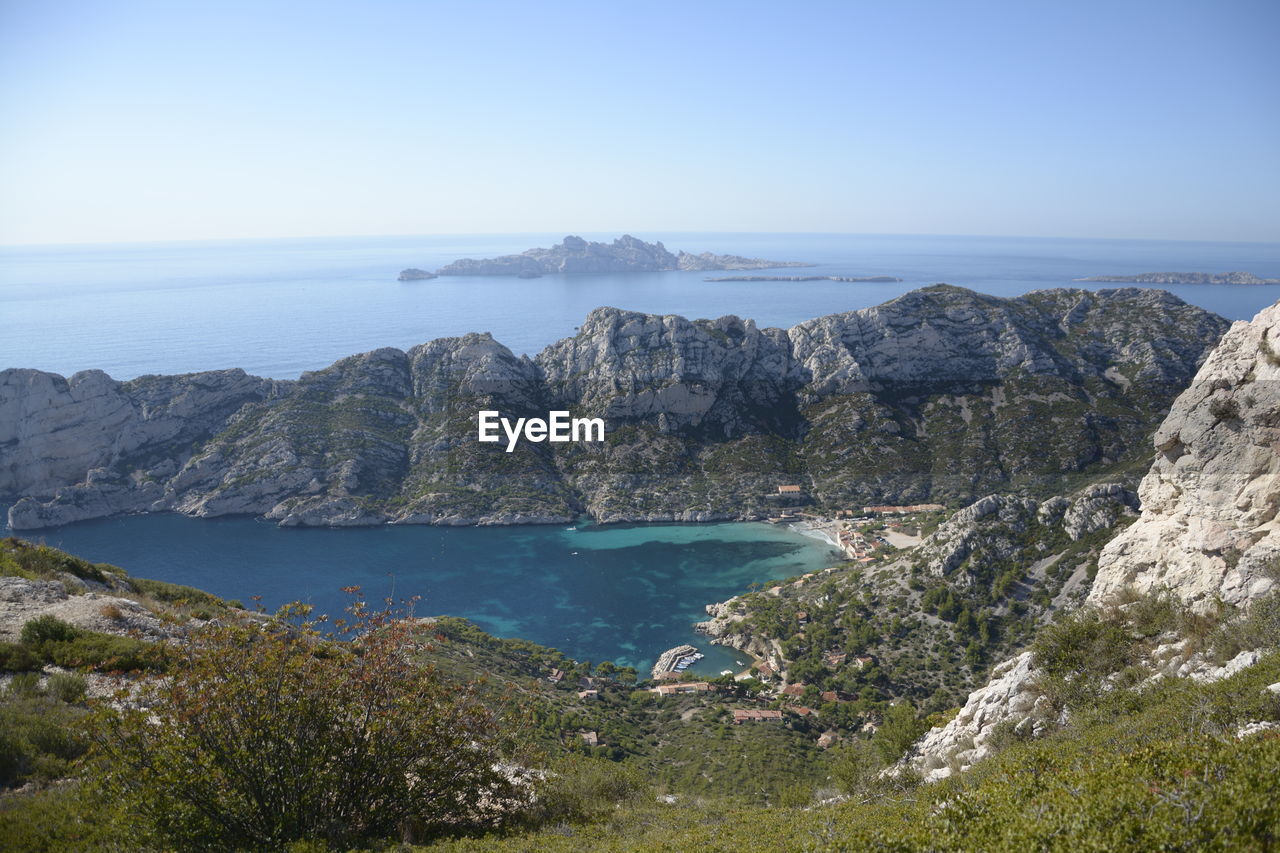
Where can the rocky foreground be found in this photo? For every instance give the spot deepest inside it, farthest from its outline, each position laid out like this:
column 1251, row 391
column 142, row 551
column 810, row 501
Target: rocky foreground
column 625, row 254
column 940, row 395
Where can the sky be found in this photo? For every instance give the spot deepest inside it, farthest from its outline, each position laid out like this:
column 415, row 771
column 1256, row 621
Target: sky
column 148, row 121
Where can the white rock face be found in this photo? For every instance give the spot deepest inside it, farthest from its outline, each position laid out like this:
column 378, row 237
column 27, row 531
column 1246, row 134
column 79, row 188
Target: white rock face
column 22, row 600
column 1208, row 530
column 1009, row 695
column 1208, row 527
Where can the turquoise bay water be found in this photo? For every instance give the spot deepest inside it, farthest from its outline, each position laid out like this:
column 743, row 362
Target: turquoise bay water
column 279, row 307
column 624, row 593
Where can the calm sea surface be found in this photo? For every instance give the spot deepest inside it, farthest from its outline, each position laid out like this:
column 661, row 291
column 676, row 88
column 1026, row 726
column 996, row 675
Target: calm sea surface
column 277, row 308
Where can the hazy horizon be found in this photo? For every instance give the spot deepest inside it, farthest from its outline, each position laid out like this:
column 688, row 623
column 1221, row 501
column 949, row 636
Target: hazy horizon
column 138, row 121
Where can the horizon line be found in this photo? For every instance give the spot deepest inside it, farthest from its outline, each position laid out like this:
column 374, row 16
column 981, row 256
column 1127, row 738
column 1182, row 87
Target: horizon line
column 409, row 235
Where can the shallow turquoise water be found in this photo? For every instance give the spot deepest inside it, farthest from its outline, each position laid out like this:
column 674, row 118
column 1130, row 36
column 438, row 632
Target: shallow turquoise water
column 624, row 593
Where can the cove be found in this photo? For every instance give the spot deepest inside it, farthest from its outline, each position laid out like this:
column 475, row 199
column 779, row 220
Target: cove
column 622, row 593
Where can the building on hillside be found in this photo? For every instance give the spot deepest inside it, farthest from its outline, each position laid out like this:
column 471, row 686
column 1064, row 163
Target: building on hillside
column 556, row 676
column 903, row 510
column 681, row 688
column 590, row 738
column 588, row 694
column 796, row 689
column 741, row 715
column 790, row 490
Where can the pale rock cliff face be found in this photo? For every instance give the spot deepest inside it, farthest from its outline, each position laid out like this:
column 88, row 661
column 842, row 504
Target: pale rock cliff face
column 1209, row 527
column 53, row 431
column 1207, row 531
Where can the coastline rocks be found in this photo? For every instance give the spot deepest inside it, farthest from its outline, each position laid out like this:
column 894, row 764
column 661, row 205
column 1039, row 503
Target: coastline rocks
column 415, row 274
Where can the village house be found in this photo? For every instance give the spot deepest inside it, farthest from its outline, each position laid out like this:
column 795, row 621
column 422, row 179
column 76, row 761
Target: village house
column 796, row 689
column 790, row 490
column 588, row 694
column 741, row 715
column 556, row 676
column 834, row 659
column 683, row 687
column 590, row 738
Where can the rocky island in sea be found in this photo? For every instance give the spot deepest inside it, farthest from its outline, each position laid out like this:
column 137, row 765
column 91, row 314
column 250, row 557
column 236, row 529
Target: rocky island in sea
column 1185, row 278
column 625, row 254
column 866, row 279
column 415, row 274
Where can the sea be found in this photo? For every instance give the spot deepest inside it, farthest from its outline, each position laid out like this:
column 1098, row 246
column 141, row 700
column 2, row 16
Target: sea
column 278, row 308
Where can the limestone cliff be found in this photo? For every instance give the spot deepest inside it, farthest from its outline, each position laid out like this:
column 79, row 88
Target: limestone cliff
column 942, row 394
column 1209, row 528
column 1207, row 533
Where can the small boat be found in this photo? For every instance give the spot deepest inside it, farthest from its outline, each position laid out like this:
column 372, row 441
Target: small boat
column 574, row 554
column 571, row 528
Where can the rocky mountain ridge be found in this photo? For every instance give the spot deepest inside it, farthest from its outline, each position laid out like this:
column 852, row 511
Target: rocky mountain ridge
column 941, row 394
column 625, row 254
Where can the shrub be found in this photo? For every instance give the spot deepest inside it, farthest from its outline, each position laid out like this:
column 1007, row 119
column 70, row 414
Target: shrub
column 106, row 652
column 66, row 686
column 581, row 789
column 38, row 740
column 17, row 658
column 48, row 629
column 1224, row 409
column 256, row 741
column 1082, row 644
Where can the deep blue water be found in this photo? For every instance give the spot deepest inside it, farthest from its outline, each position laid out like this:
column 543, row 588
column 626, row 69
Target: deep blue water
column 612, row 592
column 279, row 307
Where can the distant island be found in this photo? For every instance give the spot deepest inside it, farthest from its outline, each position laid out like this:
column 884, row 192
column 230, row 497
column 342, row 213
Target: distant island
column 415, row 274
column 626, row 254
column 1185, row 278
column 865, row 278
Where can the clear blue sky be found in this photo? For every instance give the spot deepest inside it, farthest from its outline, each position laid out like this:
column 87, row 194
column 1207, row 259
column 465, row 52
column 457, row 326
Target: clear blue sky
column 135, row 121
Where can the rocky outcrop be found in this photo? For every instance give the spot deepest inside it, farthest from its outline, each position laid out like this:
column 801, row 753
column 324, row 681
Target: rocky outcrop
column 625, row 254
column 1004, row 528
column 1207, row 533
column 1209, row 528
column 942, row 394
column 1185, row 278
column 415, row 274
column 1009, row 701
column 56, row 431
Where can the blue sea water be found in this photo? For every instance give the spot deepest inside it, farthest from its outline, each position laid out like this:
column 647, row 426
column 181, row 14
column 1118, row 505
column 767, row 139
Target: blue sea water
column 279, row 307
column 623, row 593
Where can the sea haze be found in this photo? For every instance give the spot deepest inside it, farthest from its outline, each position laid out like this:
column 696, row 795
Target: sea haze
column 279, row 307
column 623, row 593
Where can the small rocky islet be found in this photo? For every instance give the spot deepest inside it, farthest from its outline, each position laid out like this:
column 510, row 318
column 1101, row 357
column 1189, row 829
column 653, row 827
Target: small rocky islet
column 1184, row 278
column 576, row 255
